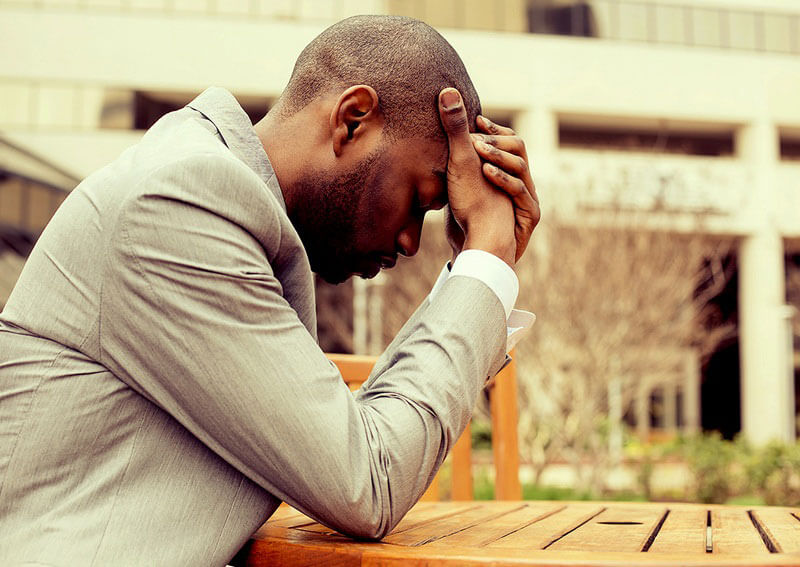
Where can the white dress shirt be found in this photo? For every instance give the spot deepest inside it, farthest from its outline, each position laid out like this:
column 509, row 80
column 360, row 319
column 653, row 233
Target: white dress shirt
column 500, row 278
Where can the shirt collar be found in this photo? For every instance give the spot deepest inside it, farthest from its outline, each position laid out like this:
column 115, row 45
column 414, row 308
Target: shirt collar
column 237, row 132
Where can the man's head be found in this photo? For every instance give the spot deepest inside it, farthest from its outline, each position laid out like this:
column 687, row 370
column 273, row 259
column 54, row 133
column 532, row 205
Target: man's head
column 365, row 95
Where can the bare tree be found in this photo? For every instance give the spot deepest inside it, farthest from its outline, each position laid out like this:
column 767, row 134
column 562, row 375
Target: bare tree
column 617, row 306
column 617, row 309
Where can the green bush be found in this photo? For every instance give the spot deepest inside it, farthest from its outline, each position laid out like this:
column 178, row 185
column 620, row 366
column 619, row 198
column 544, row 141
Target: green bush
column 711, row 460
column 735, row 471
column 481, row 434
column 537, row 492
column 482, row 485
column 773, row 473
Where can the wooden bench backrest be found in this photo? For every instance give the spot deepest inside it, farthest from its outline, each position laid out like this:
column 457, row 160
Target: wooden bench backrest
column 355, row 370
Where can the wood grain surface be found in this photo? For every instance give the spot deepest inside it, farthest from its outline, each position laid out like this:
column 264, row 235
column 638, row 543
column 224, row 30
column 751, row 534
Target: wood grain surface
column 542, row 533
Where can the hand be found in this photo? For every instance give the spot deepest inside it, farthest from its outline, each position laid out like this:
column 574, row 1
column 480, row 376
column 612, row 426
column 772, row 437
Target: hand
column 484, row 213
column 453, row 232
column 507, row 168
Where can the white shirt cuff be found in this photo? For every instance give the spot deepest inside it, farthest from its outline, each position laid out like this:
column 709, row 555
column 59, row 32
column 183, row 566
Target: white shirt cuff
column 492, row 271
column 500, row 278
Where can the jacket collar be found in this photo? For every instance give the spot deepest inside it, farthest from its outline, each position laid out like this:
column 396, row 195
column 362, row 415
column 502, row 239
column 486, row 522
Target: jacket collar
column 237, row 132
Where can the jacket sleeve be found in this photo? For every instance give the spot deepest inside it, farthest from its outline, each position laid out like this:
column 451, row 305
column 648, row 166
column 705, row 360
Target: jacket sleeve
column 194, row 319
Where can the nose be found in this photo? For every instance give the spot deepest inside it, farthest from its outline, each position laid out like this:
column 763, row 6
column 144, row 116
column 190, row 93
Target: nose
column 408, row 239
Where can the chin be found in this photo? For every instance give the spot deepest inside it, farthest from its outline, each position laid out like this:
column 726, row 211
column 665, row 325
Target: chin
column 332, row 275
column 335, row 279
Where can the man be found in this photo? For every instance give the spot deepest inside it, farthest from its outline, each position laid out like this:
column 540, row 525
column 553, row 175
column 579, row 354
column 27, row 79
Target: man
column 161, row 389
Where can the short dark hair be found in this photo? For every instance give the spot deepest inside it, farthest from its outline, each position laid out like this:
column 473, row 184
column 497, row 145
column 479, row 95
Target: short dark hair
column 406, row 61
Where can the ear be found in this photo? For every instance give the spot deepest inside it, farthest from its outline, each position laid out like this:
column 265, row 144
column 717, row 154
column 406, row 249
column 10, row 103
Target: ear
column 354, row 114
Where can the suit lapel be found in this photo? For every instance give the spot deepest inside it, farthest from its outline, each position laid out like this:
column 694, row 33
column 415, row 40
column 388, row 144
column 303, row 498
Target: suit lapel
column 237, row 133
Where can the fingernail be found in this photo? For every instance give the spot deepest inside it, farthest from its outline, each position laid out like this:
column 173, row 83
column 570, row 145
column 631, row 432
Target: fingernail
column 450, row 99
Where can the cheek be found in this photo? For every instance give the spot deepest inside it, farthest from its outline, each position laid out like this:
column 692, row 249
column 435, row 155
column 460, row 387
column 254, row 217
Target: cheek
column 391, row 207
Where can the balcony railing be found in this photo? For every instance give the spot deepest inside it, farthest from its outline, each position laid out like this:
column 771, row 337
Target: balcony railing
column 648, row 21
column 648, row 183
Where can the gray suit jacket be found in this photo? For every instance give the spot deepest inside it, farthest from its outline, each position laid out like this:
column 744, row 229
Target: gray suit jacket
column 161, row 388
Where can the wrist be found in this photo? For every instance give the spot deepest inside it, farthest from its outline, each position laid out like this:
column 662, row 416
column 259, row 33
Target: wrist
column 506, row 252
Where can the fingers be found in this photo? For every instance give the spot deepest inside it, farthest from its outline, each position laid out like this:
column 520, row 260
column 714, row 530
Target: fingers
column 513, row 186
column 454, row 120
column 506, row 167
column 490, row 127
column 503, row 159
column 507, row 153
column 511, row 143
column 526, row 206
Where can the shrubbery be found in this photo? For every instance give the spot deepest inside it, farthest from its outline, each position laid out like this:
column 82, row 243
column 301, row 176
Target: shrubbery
column 724, row 470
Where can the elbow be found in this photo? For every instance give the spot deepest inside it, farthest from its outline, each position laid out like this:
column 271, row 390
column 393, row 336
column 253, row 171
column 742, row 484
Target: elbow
column 367, row 525
column 367, row 515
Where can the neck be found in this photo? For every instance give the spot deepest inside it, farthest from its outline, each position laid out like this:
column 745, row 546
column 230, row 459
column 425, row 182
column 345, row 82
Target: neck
column 282, row 142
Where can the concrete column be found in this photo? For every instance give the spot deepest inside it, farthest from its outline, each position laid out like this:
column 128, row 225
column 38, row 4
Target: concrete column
column 642, row 410
column 615, row 436
column 691, row 393
column 538, row 126
column 767, row 406
column 767, row 385
column 670, row 392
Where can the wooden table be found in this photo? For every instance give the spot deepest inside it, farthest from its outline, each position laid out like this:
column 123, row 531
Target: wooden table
column 542, row 533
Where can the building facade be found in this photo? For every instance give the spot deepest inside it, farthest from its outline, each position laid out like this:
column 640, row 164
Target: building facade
column 681, row 111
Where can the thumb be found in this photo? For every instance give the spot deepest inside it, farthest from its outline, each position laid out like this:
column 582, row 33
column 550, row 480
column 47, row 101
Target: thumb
column 455, row 122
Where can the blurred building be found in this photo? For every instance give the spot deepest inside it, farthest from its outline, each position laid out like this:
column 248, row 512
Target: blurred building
column 682, row 110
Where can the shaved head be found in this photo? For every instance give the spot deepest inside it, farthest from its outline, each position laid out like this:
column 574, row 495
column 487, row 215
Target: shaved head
column 406, row 61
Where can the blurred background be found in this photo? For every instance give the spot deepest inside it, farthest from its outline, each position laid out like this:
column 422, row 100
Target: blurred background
column 664, row 138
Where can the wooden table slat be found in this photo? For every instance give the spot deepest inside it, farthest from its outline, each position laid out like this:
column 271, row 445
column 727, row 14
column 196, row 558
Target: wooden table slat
column 286, row 517
column 615, row 529
column 488, row 532
column 733, row 532
column 566, row 534
column 684, row 531
column 542, row 533
column 782, row 527
column 443, row 527
column 426, row 512
column 422, row 514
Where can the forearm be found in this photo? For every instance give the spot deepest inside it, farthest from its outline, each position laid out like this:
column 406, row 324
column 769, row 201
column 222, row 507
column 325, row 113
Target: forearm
column 226, row 356
column 425, row 398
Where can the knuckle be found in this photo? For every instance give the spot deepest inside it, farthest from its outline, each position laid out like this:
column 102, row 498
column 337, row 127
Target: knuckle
column 455, row 120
